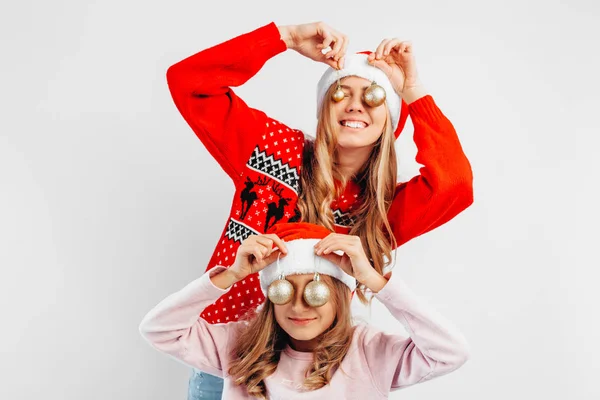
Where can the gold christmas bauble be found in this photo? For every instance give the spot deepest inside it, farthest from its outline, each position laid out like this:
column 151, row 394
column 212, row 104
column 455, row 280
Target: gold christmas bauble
column 280, row 292
column 374, row 96
column 316, row 293
column 338, row 95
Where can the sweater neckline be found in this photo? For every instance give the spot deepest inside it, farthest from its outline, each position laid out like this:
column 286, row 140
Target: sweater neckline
column 298, row 355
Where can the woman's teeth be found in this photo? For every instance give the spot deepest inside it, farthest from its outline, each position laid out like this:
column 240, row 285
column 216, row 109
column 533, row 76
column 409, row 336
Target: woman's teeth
column 354, row 124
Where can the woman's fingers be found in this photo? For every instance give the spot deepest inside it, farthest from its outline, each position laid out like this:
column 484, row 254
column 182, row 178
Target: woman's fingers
column 271, row 258
column 328, row 36
column 337, row 53
column 384, row 66
column 379, row 52
column 265, row 241
column 403, row 49
column 320, row 42
column 348, row 244
column 327, row 40
column 340, row 57
column 334, row 44
column 407, row 47
column 338, row 47
column 322, row 243
column 391, row 44
column 338, row 260
column 275, row 240
column 253, row 250
column 269, row 242
column 386, row 47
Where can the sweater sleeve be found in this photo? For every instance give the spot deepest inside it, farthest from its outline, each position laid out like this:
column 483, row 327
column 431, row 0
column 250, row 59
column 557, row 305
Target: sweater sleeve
column 434, row 347
column 444, row 186
column 201, row 89
column 173, row 327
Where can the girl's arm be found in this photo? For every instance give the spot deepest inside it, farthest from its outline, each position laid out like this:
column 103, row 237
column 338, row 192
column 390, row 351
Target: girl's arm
column 201, row 89
column 173, row 326
column 434, row 347
column 444, row 187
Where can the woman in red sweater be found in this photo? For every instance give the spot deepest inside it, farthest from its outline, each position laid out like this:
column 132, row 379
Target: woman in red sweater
column 346, row 178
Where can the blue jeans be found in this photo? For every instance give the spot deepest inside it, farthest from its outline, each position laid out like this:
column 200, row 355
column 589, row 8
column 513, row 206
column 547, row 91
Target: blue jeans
column 204, row 386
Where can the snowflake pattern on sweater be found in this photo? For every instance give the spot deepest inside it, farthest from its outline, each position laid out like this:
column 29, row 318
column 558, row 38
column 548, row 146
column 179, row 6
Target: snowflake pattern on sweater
column 268, row 196
column 263, row 157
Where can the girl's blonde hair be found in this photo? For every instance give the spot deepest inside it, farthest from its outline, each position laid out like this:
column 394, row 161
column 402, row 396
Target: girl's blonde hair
column 256, row 352
column 321, row 182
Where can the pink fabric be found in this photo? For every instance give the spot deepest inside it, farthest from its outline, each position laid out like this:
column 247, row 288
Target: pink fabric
column 375, row 364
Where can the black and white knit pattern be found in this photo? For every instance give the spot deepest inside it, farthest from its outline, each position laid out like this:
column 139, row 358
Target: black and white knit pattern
column 268, row 165
column 342, row 219
column 238, row 231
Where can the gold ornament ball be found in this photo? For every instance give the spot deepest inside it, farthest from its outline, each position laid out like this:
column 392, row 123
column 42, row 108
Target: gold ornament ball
column 316, row 293
column 338, row 95
column 280, row 292
column 374, row 95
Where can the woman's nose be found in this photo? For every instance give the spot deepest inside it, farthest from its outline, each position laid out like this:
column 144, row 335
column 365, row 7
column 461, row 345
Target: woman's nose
column 298, row 302
column 355, row 104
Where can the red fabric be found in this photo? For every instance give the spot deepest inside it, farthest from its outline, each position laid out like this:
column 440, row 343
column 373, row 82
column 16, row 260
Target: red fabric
column 263, row 157
column 299, row 230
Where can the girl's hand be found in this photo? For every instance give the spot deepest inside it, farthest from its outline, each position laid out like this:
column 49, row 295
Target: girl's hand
column 310, row 39
column 396, row 59
column 354, row 261
column 255, row 253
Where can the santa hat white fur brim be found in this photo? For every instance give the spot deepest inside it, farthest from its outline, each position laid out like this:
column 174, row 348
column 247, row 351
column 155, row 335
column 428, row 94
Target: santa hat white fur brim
column 358, row 65
column 301, row 259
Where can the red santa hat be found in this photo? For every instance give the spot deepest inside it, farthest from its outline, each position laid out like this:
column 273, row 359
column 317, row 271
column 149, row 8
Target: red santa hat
column 358, row 65
column 300, row 239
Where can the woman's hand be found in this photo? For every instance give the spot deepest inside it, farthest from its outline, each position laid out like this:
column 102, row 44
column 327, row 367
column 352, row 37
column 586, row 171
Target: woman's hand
column 255, row 253
column 396, row 59
column 310, row 39
column 354, row 261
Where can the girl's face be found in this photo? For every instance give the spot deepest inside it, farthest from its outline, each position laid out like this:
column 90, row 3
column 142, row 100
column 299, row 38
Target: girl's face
column 358, row 125
column 300, row 321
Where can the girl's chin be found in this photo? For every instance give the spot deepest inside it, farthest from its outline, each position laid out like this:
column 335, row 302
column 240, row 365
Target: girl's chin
column 304, row 337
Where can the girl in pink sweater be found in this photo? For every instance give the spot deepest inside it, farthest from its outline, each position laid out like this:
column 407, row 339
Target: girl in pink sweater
column 301, row 343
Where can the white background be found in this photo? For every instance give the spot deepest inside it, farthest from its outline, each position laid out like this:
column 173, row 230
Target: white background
column 109, row 202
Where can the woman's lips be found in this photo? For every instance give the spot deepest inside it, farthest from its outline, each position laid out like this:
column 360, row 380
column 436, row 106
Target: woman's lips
column 359, row 124
column 302, row 321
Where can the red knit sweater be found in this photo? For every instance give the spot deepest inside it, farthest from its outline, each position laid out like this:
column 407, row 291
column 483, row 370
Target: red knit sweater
column 263, row 158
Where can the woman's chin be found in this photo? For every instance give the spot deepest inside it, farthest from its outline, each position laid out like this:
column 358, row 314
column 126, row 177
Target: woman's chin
column 348, row 138
column 350, row 143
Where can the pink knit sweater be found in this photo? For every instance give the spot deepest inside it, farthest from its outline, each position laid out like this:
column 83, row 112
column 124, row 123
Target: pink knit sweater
column 375, row 364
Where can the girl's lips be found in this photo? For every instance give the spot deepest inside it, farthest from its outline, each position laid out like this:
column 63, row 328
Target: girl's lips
column 302, row 321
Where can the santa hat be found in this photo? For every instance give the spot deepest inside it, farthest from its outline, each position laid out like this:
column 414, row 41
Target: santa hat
column 358, row 65
column 300, row 239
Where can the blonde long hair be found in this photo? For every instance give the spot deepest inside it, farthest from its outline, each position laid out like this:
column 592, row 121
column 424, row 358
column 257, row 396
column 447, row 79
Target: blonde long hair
column 321, row 182
column 258, row 347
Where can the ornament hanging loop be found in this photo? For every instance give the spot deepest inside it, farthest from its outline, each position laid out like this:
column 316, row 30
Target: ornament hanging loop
column 281, row 291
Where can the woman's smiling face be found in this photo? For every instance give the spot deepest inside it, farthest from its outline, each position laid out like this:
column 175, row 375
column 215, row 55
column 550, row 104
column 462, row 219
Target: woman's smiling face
column 358, row 124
